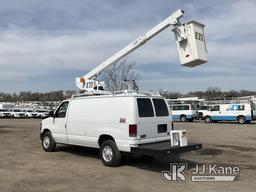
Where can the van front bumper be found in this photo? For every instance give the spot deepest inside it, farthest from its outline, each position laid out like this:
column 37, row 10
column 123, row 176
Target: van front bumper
column 163, row 148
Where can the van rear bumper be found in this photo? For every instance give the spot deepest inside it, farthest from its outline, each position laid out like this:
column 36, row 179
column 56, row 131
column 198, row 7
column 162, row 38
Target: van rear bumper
column 163, row 148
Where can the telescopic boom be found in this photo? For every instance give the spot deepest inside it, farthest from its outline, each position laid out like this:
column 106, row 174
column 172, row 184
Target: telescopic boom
column 190, row 42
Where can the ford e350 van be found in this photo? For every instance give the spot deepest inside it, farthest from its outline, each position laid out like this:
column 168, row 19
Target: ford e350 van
column 116, row 124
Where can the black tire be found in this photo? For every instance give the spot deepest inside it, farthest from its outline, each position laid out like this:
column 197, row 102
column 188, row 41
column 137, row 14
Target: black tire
column 113, row 159
column 241, row 120
column 200, row 115
column 183, row 118
column 48, row 143
column 208, row 119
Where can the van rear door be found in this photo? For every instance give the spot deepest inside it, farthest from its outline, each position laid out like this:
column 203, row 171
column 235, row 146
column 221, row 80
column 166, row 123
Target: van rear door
column 162, row 117
column 153, row 118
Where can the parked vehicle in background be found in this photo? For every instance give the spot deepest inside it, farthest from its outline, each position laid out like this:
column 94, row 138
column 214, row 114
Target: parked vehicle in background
column 202, row 109
column 5, row 113
column 242, row 113
column 183, row 112
column 41, row 113
column 17, row 113
column 30, row 113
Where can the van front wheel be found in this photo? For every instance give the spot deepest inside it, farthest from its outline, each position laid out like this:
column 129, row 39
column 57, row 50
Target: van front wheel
column 241, row 120
column 109, row 154
column 207, row 119
column 48, row 142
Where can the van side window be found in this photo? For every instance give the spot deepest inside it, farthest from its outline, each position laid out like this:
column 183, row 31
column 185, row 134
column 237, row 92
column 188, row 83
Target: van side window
column 62, row 110
column 215, row 108
column 145, row 107
column 180, row 107
column 160, row 107
column 185, row 107
column 237, row 107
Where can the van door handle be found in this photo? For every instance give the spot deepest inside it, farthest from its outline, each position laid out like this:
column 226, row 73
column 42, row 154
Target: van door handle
column 65, row 126
column 143, row 136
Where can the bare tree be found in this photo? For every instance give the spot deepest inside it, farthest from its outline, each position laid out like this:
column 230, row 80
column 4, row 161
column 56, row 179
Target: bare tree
column 169, row 94
column 212, row 93
column 117, row 75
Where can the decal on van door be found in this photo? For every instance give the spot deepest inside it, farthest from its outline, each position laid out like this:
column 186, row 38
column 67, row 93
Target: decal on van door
column 122, row 120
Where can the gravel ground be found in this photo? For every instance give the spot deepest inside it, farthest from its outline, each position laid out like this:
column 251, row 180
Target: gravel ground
column 24, row 166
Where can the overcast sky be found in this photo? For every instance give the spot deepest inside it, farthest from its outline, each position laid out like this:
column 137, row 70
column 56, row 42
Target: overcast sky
column 45, row 44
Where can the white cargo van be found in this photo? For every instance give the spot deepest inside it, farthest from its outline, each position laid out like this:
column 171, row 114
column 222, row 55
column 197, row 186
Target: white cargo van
column 30, row 113
column 117, row 124
column 242, row 113
column 17, row 113
column 183, row 112
column 202, row 109
column 5, row 113
column 42, row 113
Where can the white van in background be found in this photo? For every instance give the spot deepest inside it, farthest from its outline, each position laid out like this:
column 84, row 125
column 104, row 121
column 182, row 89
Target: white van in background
column 117, row 124
column 183, row 112
column 42, row 113
column 242, row 113
column 17, row 113
column 5, row 113
column 30, row 113
column 202, row 109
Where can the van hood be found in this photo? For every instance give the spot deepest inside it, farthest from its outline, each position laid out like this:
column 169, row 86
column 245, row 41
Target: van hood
column 47, row 120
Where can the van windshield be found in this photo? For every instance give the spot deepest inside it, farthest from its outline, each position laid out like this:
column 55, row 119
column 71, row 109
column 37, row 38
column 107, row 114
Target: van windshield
column 204, row 107
column 215, row 108
column 194, row 107
column 160, row 107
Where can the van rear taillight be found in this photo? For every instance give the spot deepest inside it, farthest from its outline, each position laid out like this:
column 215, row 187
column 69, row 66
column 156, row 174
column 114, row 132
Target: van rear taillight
column 133, row 130
column 172, row 126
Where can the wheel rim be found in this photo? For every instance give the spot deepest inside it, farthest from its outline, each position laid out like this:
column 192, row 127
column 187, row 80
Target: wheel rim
column 208, row 120
column 107, row 153
column 46, row 142
column 241, row 120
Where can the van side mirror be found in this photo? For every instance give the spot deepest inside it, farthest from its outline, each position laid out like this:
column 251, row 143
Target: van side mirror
column 51, row 114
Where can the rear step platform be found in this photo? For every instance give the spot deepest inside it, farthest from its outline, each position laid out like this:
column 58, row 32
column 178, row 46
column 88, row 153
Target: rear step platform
column 163, row 148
